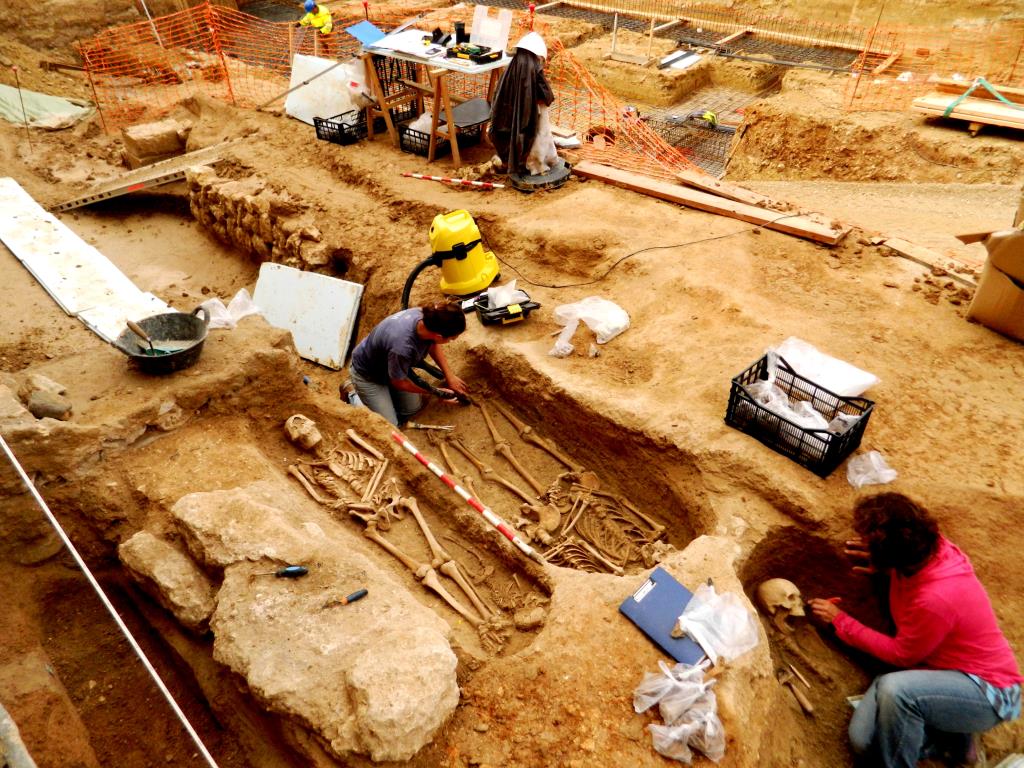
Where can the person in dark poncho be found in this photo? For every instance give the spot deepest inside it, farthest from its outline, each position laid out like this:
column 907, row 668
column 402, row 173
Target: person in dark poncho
column 515, row 109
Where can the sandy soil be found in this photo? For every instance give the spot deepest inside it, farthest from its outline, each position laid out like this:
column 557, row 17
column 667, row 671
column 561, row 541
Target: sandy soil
column 705, row 295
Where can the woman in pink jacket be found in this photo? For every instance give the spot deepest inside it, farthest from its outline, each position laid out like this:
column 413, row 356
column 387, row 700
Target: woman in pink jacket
column 957, row 674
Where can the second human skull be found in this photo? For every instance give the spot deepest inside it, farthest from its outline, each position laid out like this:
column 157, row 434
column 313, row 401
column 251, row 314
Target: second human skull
column 780, row 599
column 302, row 431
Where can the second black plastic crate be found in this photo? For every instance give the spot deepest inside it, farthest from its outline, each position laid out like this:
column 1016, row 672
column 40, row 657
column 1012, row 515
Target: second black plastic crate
column 418, row 142
column 820, row 450
column 346, row 128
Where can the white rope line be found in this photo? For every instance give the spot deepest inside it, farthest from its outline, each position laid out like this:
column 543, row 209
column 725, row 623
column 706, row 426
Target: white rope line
column 110, row 607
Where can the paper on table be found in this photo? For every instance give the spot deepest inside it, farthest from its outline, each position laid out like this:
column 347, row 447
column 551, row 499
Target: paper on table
column 407, row 41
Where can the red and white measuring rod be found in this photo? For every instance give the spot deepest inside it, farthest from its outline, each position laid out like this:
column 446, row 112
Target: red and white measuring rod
column 488, row 514
column 463, row 182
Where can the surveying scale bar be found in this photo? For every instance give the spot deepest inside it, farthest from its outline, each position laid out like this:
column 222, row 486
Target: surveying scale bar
column 153, row 175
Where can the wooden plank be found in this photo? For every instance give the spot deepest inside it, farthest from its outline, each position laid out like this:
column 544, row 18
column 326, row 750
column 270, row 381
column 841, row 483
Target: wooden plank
column 928, row 258
column 971, row 108
column 733, row 36
column 958, row 87
column 795, row 224
column 893, row 57
column 956, row 116
column 973, row 117
column 707, row 183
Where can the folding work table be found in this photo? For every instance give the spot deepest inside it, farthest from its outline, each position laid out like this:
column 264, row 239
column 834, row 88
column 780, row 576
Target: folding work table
column 431, row 82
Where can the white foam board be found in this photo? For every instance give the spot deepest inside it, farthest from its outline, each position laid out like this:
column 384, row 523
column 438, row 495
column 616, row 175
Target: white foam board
column 82, row 281
column 319, row 310
column 327, row 96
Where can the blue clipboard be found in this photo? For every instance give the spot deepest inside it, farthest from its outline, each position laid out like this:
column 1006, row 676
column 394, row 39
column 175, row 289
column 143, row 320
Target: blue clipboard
column 654, row 607
column 366, row 33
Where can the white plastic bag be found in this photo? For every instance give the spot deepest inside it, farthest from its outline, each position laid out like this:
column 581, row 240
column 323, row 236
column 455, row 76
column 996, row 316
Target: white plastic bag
column 563, row 346
column 869, row 469
column 605, row 318
column 656, row 686
column 719, row 624
column 499, row 296
column 828, row 372
column 240, row 306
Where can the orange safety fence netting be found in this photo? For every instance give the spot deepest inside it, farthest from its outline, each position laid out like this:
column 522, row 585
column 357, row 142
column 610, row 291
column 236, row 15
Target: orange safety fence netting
column 142, row 71
column 900, row 64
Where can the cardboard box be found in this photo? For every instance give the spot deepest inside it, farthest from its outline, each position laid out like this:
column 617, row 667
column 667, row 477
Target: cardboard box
column 999, row 301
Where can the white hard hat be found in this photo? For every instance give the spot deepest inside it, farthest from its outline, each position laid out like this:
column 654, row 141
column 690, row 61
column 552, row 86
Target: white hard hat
column 533, row 43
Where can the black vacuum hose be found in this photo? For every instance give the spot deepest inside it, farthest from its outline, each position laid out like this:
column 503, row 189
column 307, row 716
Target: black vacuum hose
column 432, row 260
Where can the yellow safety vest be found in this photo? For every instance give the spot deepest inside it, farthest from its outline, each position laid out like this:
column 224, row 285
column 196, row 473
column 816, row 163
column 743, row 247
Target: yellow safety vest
column 320, row 20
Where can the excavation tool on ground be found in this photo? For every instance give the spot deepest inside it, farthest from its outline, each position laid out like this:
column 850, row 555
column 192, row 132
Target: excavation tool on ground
column 441, row 427
column 359, row 594
column 486, row 511
column 287, row 572
column 457, row 248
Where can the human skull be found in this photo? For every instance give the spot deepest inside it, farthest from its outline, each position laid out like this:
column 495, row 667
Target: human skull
column 302, row 431
column 780, row 599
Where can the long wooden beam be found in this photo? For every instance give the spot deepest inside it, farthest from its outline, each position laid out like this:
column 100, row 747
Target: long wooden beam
column 800, row 225
column 928, row 258
column 959, row 86
column 707, row 183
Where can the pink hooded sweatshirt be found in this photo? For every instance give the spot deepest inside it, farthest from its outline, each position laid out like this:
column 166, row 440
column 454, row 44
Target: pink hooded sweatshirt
column 944, row 620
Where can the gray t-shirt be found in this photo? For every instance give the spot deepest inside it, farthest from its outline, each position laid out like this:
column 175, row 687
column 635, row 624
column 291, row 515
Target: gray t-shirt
column 392, row 348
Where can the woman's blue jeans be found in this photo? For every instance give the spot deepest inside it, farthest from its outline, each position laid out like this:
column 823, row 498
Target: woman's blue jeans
column 900, row 711
column 393, row 404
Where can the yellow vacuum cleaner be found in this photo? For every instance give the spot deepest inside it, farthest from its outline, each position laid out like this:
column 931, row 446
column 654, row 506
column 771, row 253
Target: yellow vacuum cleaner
column 466, row 267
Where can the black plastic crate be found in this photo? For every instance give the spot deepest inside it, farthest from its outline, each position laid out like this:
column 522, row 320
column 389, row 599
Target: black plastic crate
column 391, row 72
column 346, row 128
column 418, row 142
column 820, row 450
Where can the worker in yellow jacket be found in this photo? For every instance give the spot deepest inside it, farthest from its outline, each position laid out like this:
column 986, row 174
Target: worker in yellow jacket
column 317, row 17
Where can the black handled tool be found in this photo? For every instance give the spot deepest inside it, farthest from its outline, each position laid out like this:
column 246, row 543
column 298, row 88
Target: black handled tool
column 288, row 572
column 359, row 594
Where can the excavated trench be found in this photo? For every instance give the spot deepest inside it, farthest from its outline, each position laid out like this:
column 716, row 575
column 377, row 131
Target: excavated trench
column 120, row 474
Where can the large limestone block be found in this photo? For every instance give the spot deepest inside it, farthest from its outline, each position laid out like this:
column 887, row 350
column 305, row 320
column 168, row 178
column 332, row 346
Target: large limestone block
column 376, row 677
column 148, row 142
column 171, row 576
column 225, row 527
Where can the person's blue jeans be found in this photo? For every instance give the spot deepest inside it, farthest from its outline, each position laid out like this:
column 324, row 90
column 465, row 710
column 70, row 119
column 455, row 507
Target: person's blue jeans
column 393, row 404
column 901, row 710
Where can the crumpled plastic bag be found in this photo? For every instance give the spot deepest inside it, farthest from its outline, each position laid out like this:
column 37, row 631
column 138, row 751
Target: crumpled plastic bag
column 869, row 469
column 837, row 376
column 674, row 690
column 605, row 318
column 499, row 296
column 240, row 306
column 695, row 726
column 720, row 624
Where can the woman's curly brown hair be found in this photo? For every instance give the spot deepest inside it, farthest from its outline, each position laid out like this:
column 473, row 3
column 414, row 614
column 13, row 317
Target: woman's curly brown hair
column 900, row 533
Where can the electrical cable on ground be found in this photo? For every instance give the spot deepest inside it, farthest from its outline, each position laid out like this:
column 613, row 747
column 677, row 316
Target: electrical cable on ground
column 106, row 602
column 621, row 259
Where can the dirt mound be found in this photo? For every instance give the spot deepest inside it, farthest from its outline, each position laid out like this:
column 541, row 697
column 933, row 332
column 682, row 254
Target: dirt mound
column 804, row 133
